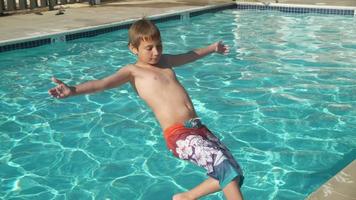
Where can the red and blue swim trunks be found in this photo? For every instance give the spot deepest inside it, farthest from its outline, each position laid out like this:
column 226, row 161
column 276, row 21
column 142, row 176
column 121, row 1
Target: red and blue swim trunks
column 194, row 142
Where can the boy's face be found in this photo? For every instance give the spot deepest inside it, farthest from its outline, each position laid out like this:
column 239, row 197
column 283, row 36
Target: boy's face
column 148, row 51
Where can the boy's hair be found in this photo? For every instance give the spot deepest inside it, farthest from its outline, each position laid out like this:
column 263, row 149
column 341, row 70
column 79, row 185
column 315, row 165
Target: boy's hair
column 143, row 30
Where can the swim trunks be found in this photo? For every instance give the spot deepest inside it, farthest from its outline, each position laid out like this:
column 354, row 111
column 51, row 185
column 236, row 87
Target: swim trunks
column 194, row 142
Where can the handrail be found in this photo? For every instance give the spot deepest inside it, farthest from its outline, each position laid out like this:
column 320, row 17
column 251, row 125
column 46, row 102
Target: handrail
column 13, row 6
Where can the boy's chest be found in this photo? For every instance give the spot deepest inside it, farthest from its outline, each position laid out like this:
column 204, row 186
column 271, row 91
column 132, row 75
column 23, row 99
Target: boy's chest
column 150, row 82
column 156, row 77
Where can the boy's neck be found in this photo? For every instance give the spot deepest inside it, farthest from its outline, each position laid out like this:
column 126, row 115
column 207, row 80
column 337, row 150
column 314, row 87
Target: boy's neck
column 147, row 65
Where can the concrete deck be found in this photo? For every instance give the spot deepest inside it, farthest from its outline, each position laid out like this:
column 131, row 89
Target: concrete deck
column 19, row 26
column 341, row 187
column 81, row 15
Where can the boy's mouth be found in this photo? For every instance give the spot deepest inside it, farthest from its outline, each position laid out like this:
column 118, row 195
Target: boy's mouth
column 155, row 58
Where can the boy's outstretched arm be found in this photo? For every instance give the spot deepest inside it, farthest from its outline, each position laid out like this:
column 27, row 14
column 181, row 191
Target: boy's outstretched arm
column 181, row 59
column 63, row 90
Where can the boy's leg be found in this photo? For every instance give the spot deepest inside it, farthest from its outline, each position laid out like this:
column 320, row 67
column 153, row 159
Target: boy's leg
column 232, row 191
column 209, row 186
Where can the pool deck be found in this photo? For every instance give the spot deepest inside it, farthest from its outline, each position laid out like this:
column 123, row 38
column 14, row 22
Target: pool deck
column 20, row 26
column 82, row 15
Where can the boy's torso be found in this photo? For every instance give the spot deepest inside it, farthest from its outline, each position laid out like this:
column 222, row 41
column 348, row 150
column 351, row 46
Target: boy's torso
column 160, row 89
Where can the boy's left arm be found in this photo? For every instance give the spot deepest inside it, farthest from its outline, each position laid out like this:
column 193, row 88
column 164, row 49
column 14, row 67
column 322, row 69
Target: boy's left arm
column 181, row 59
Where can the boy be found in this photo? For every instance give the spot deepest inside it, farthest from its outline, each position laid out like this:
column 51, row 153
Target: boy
column 155, row 82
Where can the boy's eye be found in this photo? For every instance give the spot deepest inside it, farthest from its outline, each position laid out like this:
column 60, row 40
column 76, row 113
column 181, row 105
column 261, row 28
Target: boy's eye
column 149, row 48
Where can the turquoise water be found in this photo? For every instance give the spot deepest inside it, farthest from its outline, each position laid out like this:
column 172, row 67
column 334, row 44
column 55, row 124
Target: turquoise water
column 283, row 101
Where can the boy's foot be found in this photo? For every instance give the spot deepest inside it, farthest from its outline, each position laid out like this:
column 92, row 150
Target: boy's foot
column 182, row 196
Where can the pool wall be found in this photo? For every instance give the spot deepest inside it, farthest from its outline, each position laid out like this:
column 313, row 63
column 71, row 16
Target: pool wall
column 181, row 15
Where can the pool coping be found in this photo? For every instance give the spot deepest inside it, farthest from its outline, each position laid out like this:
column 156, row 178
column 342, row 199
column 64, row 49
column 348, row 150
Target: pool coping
column 90, row 31
column 341, row 186
column 64, row 36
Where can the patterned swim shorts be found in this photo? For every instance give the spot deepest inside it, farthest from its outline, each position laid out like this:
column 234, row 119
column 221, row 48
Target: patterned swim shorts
column 194, row 142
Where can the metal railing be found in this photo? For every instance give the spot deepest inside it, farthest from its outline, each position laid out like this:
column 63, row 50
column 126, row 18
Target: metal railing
column 10, row 6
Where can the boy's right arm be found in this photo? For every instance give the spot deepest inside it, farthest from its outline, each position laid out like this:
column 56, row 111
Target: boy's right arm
column 63, row 90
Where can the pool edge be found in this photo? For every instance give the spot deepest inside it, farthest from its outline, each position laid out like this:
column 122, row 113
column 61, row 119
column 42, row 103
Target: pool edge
column 90, row 31
column 341, row 186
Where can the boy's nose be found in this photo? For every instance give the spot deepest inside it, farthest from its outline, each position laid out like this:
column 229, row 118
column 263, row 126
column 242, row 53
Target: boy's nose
column 155, row 51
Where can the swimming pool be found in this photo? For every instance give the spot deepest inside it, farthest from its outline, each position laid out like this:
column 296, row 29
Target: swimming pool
column 283, row 101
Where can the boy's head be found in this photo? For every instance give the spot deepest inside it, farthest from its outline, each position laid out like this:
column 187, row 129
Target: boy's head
column 145, row 41
column 143, row 30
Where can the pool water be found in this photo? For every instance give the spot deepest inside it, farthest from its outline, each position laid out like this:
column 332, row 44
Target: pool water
column 283, row 100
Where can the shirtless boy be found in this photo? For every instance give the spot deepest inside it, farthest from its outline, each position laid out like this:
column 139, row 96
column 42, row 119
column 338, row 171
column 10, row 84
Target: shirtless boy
column 155, row 82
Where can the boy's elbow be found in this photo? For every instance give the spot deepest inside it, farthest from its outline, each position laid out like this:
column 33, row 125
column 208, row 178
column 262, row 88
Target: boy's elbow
column 195, row 55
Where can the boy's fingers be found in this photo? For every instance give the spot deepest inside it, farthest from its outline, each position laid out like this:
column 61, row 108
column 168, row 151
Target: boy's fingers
column 58, row 90
column 56, row 80
column 53, row 92
column 50, row 91
column 226, row 51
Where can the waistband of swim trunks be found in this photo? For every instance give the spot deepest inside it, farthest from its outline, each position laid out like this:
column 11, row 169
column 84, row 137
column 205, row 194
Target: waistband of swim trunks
column 191, row 123
column 170, row 130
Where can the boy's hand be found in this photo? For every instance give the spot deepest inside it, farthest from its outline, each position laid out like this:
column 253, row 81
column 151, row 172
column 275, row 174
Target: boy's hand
column 62, row 90
column 221, row 48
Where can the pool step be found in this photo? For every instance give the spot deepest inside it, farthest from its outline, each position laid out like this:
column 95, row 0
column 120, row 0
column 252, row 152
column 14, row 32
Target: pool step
column 340, row 187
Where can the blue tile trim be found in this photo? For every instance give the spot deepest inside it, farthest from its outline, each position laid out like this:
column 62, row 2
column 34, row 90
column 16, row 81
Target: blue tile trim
column 100, row 31
column 197, row 13
column 298, row 9
column 96, row 32
column 165, row 19
column 25, row 45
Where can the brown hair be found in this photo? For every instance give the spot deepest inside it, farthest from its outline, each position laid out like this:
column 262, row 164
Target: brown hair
column 143, row 30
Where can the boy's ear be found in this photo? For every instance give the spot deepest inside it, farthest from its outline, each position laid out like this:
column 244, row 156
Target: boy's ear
column 133, row 49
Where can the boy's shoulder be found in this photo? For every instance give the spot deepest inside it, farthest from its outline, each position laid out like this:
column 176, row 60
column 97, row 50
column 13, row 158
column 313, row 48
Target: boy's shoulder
column 129, row 67
column 132, row 69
